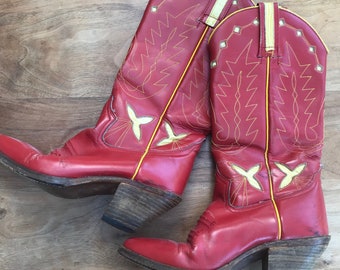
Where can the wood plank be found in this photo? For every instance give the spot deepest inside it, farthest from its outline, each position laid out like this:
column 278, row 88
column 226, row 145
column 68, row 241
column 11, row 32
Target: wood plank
column 63, row 49
column 48, row 123
column 58, row 63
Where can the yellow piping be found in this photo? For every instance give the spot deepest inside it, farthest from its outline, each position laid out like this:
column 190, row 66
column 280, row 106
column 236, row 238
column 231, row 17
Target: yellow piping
column 147, row 149
column 267, row 150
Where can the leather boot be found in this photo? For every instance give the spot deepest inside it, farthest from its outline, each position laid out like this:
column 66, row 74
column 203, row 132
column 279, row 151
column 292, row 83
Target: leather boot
column 152, row 126
column 267, row 88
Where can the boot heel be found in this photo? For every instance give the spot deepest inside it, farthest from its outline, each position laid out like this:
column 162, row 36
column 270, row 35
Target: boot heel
column 134, row 204
column 300, row 254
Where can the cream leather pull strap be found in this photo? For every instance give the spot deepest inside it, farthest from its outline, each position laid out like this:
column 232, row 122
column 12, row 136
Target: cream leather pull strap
column 269, row 26
column 216, row 12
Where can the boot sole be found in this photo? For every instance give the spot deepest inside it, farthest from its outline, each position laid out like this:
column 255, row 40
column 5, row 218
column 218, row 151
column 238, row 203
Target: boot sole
column 133, row 203
column 70, row 188
column 297, row 254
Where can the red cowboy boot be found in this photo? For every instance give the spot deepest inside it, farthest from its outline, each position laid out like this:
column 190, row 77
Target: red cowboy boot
column 267, row 89
column 150, row 129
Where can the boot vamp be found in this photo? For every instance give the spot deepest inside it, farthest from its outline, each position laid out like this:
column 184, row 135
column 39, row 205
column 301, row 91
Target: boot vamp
column 85, row 143
column 78, row 158
column 222, row 234
column 86, row 155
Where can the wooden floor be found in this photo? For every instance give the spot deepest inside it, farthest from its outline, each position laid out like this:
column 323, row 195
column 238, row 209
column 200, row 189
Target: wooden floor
column 58, row 60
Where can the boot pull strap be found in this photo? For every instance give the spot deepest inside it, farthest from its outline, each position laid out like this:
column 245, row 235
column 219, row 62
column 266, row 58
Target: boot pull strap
column 217, row 10
column 269, row 29
column 214, row 11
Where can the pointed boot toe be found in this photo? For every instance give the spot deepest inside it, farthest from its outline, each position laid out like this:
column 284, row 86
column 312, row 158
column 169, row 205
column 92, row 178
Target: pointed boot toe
column 159, row 254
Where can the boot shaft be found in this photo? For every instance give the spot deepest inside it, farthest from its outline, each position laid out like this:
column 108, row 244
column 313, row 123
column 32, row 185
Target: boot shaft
column 163, row 85
column 158, row 112
column 268, row 69
column 164, row 77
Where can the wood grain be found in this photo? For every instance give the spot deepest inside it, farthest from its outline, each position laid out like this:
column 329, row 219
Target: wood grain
column 58, row 61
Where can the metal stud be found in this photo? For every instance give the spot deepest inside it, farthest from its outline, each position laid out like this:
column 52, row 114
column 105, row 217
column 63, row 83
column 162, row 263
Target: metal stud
column 319, row 68
column 235, row 2
column 213, row 64
column 223, row 44
column 256, row 22
column 154, row 9
column 237, row 29
column 299, row 33
column 312, row 49
column 282, row 22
